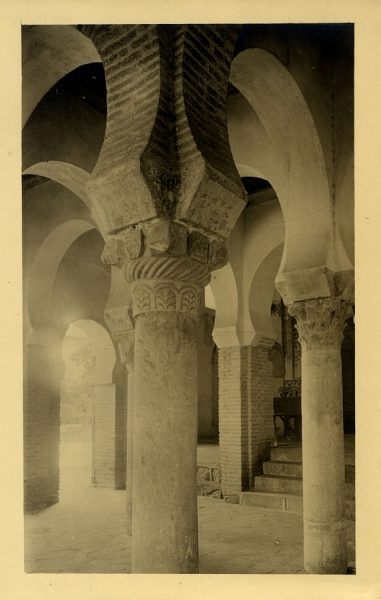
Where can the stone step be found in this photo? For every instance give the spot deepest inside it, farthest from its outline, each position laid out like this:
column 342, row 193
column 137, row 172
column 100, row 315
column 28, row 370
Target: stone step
column 272, row 501
column 287, row 453
column 284, row 502
column 290, row 485
column 294, row 454
column 295, row 469
column 271, row 483
column 282, row 468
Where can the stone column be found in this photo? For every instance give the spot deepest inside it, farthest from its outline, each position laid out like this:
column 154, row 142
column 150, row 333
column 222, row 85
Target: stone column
column 320, row 323
column 130, row 446
column 245, row 414
column 42, row 392
column 166, row 297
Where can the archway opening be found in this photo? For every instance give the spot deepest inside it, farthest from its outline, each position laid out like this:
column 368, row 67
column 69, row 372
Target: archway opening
column 89, row 359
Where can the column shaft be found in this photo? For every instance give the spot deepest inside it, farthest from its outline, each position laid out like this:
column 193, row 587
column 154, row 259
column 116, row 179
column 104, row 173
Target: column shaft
column 320, row 323
column 165, row 444
column 323, row 462
column 130, row 446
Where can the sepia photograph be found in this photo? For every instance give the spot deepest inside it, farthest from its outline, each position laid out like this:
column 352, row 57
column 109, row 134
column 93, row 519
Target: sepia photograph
column 190, row 364
column 188, row 298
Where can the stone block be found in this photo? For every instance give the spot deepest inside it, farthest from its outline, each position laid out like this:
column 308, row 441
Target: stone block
column 269, row 483
column 262, row 500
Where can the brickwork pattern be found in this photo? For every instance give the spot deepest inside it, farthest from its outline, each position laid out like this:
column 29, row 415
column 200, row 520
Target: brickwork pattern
column 104, row 437
column 262, row 422
column 166, row 151
column 245, row 414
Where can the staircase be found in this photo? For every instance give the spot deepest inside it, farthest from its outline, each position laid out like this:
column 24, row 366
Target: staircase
column 281, row 486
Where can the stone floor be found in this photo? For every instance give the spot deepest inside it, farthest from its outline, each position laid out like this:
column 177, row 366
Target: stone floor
column 85, row 533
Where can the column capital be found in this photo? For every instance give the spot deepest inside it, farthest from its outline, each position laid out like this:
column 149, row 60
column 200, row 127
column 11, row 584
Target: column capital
column 320, row 321
column 163, row 237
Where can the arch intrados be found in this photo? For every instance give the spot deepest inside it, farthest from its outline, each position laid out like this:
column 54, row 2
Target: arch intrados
column 45, row 266
column 262, row 293
column 279, row 104
column 101, row 345
column 224, row 287
column 49, row 53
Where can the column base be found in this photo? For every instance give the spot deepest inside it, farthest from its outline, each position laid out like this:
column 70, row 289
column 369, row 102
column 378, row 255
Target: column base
column 325, row 547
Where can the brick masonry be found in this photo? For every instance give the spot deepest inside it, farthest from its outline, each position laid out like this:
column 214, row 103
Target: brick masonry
column 104, row 436
column 246, row 414
column 166, row 151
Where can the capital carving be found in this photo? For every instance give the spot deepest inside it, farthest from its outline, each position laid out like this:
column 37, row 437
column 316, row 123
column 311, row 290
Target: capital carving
column 321, row 321
column 162, row 237
column 165, row 296
column 166, row 284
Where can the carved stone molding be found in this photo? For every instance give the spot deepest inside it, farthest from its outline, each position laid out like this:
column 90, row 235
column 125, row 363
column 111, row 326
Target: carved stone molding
column 161, row 237
column 166, row 296
column 321, row 321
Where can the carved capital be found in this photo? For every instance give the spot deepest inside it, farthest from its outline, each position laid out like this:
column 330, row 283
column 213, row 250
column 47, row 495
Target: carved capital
column 166, row 284
column 166, row 296
column 321, row 321
column 162, row 237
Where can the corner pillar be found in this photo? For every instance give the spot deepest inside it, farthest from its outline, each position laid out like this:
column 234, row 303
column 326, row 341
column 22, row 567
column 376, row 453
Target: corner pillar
column 246, row 427
column 320, row 323
column 42, row 392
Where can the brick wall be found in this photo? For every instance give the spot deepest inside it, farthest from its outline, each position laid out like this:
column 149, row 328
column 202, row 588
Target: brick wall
column 245, row 414
column 262, row 424
column 104, row 435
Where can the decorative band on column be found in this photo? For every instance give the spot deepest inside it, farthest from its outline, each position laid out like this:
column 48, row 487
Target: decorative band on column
column 166, row 284
column 165, row 296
